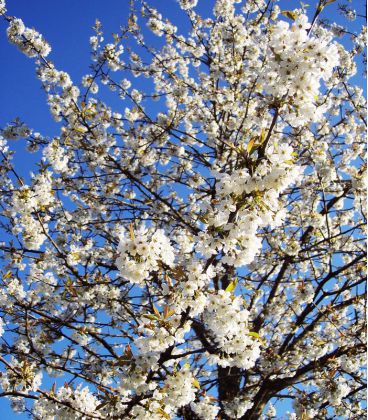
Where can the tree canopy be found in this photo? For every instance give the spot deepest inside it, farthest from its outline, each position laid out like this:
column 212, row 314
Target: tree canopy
column 199, row 252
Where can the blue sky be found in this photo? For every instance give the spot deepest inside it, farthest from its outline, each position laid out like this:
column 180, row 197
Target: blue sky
column 67, row 26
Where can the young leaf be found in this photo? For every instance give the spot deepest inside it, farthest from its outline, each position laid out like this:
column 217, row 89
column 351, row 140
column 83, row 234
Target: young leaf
column 196, row 383
column 231, row 287
column 250, row 146
column 163, row 413
column 80, row 129
column 128, row 351
column 131, row 231
column 168, row 312
column 150, row 316
column 155, row 310
column 289, row 14
column 7, row 275
column 263, row 135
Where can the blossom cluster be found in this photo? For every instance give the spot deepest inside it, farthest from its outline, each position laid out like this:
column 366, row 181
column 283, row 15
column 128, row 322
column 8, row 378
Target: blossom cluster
column 22, row 376
column 228, row 322
column 142, row 252
column 67, row 402
column 247, row 202
column 300, row 62
column 29, row 203
column 29, row 41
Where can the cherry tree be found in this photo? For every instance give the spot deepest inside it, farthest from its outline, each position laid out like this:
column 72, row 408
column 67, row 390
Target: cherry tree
column 199, row 254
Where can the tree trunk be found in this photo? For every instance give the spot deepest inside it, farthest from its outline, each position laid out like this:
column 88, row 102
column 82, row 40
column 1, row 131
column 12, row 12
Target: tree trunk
column 229, row 379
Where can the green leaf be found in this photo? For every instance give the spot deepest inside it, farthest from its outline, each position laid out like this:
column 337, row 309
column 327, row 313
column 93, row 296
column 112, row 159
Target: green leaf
column 231, row 287
column 8, row 275
column 257, row 336
column 151, row 317
column 196, row 383
column 263, row 135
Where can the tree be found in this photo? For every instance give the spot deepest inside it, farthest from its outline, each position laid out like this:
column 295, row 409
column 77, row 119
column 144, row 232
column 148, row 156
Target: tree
column 202, row 257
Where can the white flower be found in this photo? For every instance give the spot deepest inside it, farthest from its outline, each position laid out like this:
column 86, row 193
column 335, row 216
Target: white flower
column 142, row 252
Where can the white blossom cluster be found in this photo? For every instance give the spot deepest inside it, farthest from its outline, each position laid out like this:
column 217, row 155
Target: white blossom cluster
column 190, row 289
column 56, row 155
column 205, row 409
column 22, row 376
column 78, row 404
column 238, row 407
column 156, row 339
column 254, row 200
column 300, row 62
column 29, row 41
column 28, row 203
column 2, row 7
column 177, row 392
column 228, row 322
column 142, row 252
column 111, row 54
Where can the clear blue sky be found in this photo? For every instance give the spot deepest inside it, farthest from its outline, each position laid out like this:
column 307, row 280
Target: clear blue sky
column 67, row 26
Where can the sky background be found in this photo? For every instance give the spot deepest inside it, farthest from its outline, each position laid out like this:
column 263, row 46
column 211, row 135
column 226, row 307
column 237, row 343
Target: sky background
column 66, row 25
